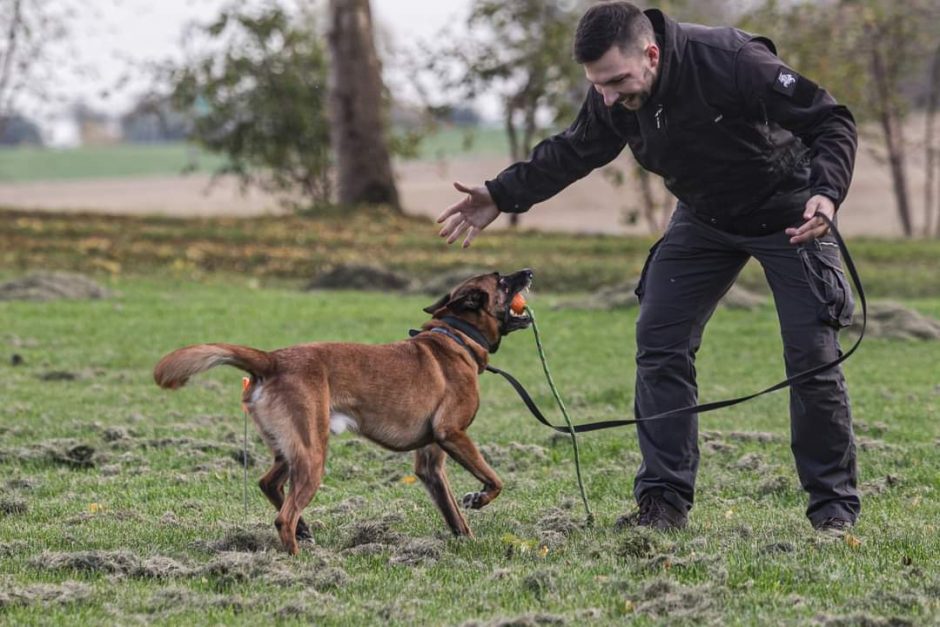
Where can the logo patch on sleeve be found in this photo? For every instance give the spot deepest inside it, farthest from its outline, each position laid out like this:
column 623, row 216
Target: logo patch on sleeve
column 800, row 90
column 786, row 81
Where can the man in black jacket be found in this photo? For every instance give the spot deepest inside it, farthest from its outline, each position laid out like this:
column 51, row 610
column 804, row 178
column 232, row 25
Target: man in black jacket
column 753, row 151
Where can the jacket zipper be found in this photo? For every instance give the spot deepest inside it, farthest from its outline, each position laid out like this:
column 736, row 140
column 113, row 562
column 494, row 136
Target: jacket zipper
column 660, row 118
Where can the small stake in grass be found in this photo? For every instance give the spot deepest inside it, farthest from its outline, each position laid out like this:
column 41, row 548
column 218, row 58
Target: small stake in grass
column 561, row 404
column 246, row 382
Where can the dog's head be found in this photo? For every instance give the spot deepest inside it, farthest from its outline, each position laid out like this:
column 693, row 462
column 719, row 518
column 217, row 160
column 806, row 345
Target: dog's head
column 484, row 301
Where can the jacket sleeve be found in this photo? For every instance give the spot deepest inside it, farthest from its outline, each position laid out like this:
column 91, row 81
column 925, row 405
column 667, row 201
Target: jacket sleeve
column 774, row 92
column 589, row 143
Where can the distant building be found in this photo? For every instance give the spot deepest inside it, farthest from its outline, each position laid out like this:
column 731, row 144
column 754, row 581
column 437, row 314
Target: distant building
column 154, row 121
column 95, row 128
column 16, row 130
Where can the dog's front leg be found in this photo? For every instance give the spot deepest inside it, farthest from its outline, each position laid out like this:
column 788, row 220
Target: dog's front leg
column 429, row 467
column 459, row 446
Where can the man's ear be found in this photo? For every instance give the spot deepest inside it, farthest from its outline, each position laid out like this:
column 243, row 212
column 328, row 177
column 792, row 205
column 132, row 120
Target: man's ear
column 440, row 303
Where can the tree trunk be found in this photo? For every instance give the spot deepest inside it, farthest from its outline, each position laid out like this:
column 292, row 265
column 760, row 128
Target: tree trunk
column 515, row 147
column 894, row 141
column 6, row 59
column 933, row 96
column 654, row 211
column 356, row 108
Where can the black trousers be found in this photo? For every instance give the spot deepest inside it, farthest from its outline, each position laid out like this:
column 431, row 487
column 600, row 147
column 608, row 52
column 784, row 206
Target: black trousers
column 688, row 272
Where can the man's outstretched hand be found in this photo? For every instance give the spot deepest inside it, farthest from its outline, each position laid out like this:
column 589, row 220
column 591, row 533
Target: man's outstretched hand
column 813, row 228
column 472, row 214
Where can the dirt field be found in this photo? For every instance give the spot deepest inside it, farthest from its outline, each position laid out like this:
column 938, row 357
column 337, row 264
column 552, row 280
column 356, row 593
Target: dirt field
column 589, row 206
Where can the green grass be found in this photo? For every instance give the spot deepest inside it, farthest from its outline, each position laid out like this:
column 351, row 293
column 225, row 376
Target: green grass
column 299, row 247
column 131, row 160
column 457, row 142
column 748, row 556
column 121, row 160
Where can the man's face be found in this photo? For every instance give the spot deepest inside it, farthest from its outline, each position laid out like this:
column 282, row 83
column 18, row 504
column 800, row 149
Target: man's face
column 626, row 79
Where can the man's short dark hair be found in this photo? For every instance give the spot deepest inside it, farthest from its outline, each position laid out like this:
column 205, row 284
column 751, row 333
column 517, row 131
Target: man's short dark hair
column 608, row 24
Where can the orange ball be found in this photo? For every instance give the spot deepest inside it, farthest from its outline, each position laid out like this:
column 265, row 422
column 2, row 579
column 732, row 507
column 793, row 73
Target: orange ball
column 518, row 304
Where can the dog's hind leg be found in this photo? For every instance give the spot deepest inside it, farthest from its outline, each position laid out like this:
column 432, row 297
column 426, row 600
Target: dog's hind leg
column 305, row 452
column 429, row 467
column 459, row 446
column 305, row 475
column 272, row 485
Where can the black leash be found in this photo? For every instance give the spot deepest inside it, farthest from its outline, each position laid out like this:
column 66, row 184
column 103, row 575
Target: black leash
column 705, row 407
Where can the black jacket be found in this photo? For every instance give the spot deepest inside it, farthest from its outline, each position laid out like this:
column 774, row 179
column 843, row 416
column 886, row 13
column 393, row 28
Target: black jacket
column 727, row 125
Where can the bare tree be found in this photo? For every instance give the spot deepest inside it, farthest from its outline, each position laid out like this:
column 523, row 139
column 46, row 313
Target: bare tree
column 884, row 71
column 12, row 14
column 867, row 53
column 357, row 108
column 520, row 51
column 30, row 31
column 933, row 99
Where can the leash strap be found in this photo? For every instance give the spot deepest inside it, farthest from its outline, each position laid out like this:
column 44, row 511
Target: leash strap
column 706, row 407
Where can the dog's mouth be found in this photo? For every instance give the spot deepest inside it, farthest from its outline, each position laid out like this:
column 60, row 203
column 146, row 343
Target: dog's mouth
column 517, row 283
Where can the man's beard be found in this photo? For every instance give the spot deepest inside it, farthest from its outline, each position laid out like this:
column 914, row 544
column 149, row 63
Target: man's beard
column 633, row 102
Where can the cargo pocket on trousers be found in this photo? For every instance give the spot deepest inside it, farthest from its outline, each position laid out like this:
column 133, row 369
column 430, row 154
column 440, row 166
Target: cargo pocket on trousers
column 823, row 270
column 641, row 283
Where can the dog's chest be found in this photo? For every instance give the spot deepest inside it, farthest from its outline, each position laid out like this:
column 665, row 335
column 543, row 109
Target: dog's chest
column 341, row 422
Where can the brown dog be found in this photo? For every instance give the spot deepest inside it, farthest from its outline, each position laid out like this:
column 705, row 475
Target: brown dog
column 418, row 394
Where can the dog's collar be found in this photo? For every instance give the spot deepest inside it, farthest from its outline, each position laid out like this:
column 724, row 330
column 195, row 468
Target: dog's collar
column 472, row 332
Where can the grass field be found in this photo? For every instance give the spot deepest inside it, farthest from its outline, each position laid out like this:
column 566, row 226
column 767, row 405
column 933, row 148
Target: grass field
column 132, row 160
column 122, row 503
column 146, row 522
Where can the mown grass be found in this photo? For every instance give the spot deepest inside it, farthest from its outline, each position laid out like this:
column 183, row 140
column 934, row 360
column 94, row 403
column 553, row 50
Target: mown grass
column 291, row 248
column 164, row 159
column 164, row 480
column 25, row 164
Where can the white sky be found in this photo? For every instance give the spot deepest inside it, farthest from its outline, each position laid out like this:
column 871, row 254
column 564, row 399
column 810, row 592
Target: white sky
column 111, row 37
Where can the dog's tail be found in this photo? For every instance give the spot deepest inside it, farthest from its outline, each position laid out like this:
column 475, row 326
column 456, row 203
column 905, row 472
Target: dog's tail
column 174, row 370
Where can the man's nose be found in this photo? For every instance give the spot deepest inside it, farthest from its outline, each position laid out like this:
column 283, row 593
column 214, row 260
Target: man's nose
column 610, row 97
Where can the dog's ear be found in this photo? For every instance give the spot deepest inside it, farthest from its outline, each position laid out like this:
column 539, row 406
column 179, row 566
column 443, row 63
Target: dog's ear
column 471, row 300
column 440, row 303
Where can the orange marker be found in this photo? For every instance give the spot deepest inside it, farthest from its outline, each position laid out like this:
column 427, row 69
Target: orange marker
column 518, row 304
column 246, row 383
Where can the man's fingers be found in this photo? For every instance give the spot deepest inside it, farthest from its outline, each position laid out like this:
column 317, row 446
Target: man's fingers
column 457, row 232
column 452, row 225
column 812, row 229
column 471, row 235
column 460, row 187
column 804, row 235
column 806, row 226
column 448, row 228
column 454, row 208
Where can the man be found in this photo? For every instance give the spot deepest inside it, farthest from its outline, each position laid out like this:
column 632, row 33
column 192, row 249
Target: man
column 753, row 151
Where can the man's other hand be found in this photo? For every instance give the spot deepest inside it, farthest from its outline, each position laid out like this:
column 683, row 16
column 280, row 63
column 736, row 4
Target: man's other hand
column 472, row 214
column 814, row 227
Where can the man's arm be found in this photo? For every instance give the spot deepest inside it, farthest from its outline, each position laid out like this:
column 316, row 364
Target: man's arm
column 773, row 91
column 589, row 143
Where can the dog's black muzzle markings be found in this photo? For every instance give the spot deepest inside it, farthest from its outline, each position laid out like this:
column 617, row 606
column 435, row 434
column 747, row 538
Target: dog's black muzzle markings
column 511, row 285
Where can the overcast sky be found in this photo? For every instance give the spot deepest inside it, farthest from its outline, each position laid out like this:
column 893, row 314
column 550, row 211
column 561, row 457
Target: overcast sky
column 115, row 36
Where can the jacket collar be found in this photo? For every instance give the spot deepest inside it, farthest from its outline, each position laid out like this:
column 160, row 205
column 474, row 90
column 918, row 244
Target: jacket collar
column 673, row 49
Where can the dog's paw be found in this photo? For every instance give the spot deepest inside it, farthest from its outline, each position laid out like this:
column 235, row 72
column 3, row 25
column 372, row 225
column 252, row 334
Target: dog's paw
column 474, row 500
column 303, row 532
